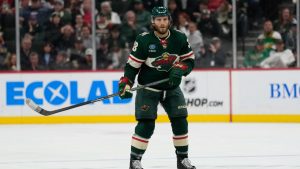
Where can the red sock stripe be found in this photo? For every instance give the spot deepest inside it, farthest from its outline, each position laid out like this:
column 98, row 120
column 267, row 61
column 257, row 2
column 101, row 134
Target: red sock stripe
column 180, row 138
column 144, row 141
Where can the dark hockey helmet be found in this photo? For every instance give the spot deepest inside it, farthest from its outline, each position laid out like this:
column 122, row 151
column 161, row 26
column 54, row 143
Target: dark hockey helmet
column 160, row 11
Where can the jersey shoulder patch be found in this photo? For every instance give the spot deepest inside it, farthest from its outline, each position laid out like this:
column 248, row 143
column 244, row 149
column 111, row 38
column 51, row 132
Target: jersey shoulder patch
column 176, row 31
column 144, row 33
column 179, row 35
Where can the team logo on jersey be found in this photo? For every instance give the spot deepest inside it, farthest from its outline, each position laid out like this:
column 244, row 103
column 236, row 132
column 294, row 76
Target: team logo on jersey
column 145, row 107
column 152, row 48
column 165, row 61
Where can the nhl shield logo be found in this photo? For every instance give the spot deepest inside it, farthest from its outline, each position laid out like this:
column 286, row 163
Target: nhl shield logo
column 190, row 85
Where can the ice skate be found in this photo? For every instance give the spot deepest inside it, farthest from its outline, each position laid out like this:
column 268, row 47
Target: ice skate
column 135, row 164
column 184, row 163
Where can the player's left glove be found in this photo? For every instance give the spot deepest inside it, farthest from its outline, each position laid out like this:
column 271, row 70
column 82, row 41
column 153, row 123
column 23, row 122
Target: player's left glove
column 176, row 73
column 124, row 85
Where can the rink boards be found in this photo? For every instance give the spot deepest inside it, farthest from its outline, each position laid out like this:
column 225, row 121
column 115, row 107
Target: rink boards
column 211, row 96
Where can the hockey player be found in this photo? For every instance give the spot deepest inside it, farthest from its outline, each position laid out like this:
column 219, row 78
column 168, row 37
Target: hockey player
column 159, row 54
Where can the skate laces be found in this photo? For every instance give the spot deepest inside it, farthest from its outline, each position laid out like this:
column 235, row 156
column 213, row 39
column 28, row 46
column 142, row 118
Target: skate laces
column 187, row 163
column 137, row 164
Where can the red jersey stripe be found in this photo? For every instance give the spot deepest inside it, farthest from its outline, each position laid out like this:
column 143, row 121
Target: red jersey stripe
column 132, row 58
column 183, row 57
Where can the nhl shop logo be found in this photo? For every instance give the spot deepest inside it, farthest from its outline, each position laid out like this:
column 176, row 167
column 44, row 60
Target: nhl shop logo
column 189, row 85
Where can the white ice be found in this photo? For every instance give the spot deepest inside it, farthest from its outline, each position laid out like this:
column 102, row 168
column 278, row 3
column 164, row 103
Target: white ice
column 107, row 146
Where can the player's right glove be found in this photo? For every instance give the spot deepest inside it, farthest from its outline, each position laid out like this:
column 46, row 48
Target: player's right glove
column 176, row 73
column 124, row 85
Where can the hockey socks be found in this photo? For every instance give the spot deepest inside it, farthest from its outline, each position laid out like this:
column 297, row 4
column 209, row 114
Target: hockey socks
column 139, row 142
column 180, row 138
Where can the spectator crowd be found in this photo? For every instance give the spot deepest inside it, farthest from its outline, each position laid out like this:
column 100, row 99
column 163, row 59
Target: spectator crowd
column 57, row 34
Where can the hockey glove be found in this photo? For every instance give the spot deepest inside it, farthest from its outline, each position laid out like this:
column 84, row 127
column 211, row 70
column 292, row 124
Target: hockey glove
column 124, row 85
column 176, row 73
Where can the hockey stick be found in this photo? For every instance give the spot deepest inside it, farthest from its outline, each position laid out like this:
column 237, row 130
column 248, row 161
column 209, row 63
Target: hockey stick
column 44, row 112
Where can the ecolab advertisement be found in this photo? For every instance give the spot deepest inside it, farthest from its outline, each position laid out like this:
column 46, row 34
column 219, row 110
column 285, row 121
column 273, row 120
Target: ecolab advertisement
column 56, row 90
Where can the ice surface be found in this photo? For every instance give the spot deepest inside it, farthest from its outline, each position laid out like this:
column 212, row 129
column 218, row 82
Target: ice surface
column 107, row 146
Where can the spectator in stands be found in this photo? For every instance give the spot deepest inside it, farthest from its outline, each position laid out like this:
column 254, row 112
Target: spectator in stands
column 53, row 29
column 213, row 55
column 3, row 48
column 120, row 7
column 47, row 57
column 269, row 36
column 223, row 13
column 115, row 38
column 111, row 16
column 183, row 23
column 7, row 6
column 130, row 29
column 26, row 46
column 10, row 62
column 103, row 59
column 24, row 5
column 67, row 38
column 213, row 5
column 61, row 62
column 117, row 52
column 24, row 9
column 87, row 61
column 174, row 11
column 280, row 58
column 78, row 24
column 86, row 12
column 33, row 27
column 290, row 41
column 255, row 56
column 75, row 7
column 43, row 13
column 34, row 62
column 118, row 57
column 87, row 37
column 284, row 25
column 102, row 26
column 207, row 23
column 195, row 39
column 7, row 24
column 65, row 15
column 143, row 17
column 77, row 53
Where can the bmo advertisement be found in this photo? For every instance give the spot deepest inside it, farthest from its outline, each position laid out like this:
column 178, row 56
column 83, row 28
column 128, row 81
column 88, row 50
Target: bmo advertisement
column 266, row 92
